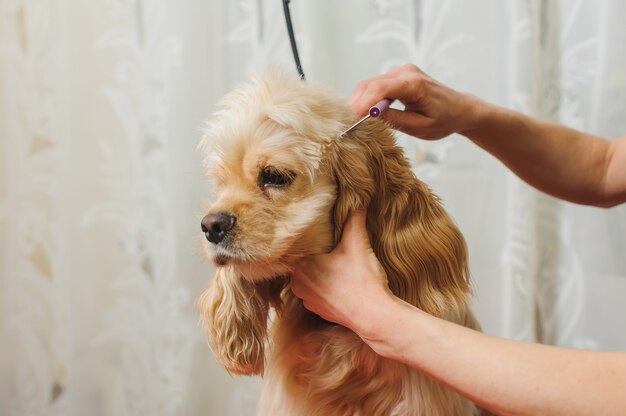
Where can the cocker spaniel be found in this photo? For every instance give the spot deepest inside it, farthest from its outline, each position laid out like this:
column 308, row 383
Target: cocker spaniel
column 285, row 183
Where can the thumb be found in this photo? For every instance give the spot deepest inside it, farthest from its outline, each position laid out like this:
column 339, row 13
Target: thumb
column 355, row 231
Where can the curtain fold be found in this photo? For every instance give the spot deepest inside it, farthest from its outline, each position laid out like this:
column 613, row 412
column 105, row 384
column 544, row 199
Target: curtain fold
column 102, row 104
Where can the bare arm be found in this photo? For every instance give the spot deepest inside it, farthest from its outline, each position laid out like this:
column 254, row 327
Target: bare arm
column 506, row 377
column 560, row 161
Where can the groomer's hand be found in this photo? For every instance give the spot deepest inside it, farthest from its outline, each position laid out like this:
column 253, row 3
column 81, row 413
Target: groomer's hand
column 432, row 110
column 347, row 285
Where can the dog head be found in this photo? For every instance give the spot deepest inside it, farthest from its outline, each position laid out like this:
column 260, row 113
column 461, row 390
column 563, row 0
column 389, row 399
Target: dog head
column 275, row 190
column 285, row 182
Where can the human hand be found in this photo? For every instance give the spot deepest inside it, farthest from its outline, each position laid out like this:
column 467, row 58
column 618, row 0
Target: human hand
column 346, row 285
column 432, row 110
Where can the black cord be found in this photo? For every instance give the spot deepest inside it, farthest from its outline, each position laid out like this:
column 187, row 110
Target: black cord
column 292, row 39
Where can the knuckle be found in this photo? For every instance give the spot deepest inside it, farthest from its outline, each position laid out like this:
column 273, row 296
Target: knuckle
column 416, row 78
column 376, row 88
column 297, row 292
column 417, row 82
column 361, row 85
column 410, row 68
column 405, row 83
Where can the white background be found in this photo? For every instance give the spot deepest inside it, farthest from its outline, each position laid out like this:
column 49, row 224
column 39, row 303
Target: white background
column 101, row 190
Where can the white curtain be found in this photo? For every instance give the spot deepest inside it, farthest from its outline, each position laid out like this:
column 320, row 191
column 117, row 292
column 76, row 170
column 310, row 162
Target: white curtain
column 101, row 190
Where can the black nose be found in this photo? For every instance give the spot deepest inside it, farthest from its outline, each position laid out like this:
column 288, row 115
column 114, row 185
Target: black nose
column 216, row 226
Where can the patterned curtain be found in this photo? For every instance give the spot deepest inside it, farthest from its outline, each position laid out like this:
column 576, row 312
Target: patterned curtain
column 101, row 190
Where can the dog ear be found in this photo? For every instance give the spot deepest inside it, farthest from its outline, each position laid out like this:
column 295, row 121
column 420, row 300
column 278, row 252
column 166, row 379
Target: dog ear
column 351, row 165
column 421, row 249
column 235, row 312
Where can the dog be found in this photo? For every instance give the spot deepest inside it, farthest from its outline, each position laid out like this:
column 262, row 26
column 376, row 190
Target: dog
column 285, row 182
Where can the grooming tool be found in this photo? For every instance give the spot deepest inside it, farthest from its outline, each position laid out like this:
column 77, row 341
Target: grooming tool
column 375, row 111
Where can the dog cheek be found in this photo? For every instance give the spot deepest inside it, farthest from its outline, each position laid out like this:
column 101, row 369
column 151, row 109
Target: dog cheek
column 309, row 226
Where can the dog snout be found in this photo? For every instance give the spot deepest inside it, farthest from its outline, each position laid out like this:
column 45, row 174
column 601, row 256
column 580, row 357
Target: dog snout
column 216, row 226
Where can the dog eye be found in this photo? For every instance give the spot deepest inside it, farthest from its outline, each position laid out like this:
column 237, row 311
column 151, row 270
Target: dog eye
column 275, row 178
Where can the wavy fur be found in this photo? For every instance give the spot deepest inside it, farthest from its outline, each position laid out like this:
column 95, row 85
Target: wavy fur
column 311, row 367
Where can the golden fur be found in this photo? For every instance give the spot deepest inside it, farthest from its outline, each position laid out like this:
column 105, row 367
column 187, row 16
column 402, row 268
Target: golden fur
column 309, row 366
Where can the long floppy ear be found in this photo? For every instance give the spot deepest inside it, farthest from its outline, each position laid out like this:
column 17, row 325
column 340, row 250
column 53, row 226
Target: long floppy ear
column 419, row 246
column 234, row 312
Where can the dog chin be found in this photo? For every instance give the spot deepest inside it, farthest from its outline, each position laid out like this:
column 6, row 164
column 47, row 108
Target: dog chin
column 253, row 270
column 221, row 257
column 262, row 271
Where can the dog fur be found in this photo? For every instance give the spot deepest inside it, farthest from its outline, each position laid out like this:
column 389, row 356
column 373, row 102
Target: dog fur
column 311, row 367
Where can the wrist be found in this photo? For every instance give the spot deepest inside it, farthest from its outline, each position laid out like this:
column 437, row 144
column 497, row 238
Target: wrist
column 372, row 323
column 477, row 115
column 390, row 329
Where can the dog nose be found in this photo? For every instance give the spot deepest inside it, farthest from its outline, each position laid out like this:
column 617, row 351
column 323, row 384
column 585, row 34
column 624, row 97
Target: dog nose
column 216, row 226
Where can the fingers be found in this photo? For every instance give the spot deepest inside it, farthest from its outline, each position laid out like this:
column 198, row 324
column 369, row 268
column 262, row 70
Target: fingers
column 376, row 90
column 305, row 272
column 299, row 281
column 305, row 287
column 360, row 89
column 409, row 122
column 297, row 278
column 355, row 231
column 302, row 271
column 362, row 86
column 403, row 83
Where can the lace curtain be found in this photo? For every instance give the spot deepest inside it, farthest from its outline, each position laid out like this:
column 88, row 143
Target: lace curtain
column 101, row 190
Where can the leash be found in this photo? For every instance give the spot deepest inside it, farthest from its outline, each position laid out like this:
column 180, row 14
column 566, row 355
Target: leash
column 292, row 39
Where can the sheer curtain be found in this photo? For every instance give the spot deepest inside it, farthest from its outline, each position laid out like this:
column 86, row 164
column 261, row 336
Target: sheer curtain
column 101, row 191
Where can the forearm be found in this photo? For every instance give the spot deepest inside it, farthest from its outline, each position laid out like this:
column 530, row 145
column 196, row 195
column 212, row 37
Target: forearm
column 506, row 377
column 558, row 160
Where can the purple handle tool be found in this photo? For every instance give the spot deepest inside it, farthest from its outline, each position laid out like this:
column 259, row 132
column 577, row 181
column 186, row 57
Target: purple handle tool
column 380, row 107
column 375, row 111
